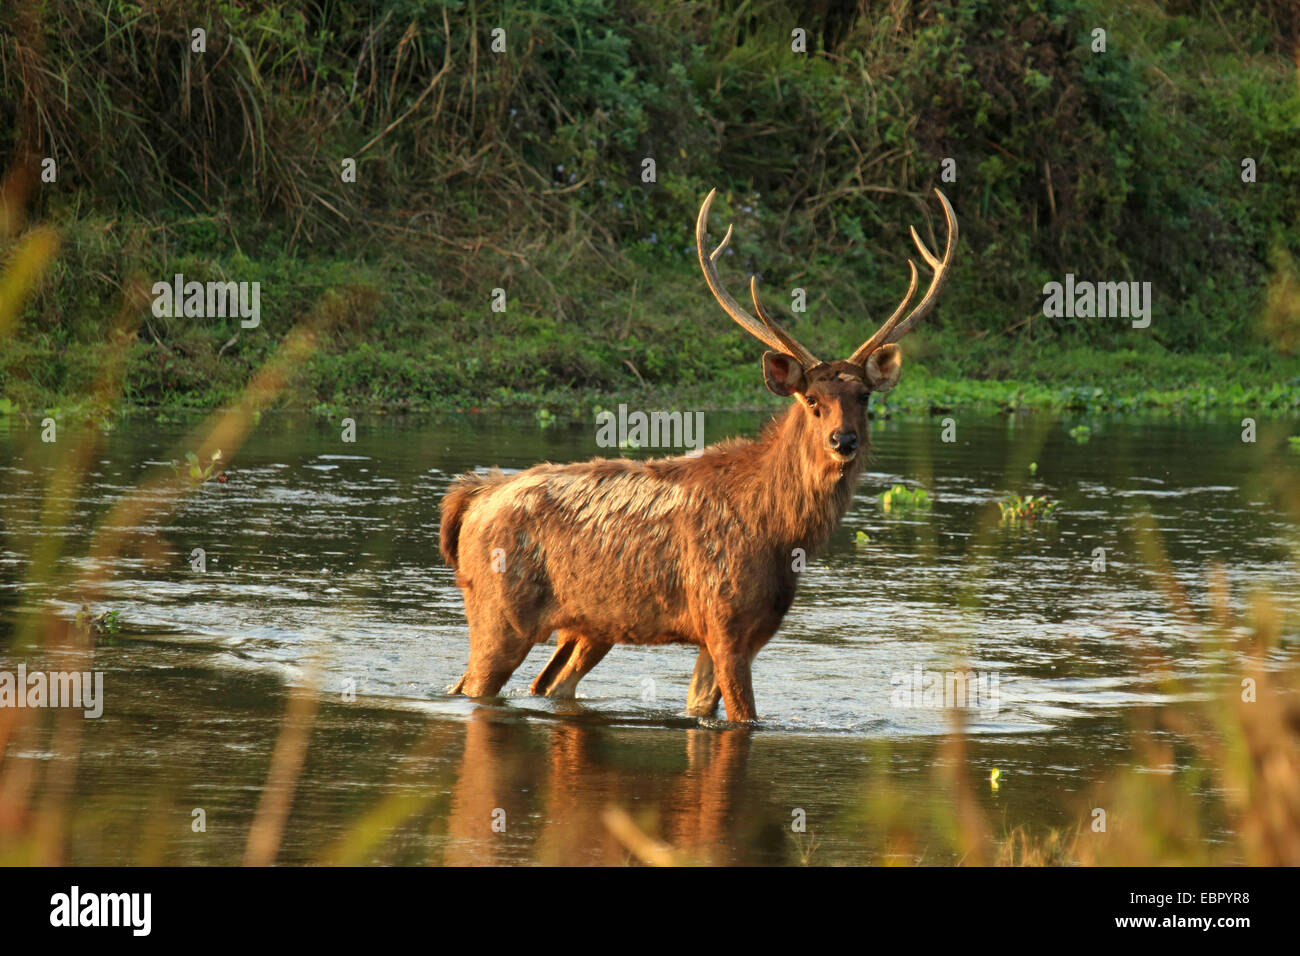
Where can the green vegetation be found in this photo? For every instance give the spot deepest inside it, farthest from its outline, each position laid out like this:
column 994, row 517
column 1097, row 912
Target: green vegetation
column 107, row 622
column 1017, row 510
column 522, row 171
column 902, row 498
column 195, row 470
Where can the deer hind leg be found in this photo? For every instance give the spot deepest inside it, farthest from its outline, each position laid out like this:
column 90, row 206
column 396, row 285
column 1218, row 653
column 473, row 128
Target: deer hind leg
column 573, row 660
column 496, row 649
column 703, row 697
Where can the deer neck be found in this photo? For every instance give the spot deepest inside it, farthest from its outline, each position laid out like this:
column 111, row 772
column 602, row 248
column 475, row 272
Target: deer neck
column 803, row 494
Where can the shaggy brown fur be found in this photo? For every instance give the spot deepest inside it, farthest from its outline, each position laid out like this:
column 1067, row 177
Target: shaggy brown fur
column 679, row 550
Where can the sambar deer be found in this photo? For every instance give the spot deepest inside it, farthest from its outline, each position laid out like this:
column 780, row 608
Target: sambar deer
column 695, row 550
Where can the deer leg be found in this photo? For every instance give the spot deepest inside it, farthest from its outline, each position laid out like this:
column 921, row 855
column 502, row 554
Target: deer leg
column 495, row 650
column 731, row 666
column 703, row 696
column 564, row 648
column 573, row 660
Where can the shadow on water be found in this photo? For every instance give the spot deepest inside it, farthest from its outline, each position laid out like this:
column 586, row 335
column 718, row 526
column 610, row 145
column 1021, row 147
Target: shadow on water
column 504, row 784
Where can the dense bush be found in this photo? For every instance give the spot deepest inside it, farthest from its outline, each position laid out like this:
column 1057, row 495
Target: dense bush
column 478, row 169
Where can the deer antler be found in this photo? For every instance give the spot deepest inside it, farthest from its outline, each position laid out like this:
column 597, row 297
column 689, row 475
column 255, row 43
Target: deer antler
column 896, row 327
column 768, row 331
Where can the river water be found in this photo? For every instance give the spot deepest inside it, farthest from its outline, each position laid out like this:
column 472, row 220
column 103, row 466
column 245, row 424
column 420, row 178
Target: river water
column 322, row 567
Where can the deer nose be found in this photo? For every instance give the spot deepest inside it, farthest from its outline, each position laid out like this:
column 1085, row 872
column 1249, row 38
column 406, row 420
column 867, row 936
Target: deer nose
column 845, row 442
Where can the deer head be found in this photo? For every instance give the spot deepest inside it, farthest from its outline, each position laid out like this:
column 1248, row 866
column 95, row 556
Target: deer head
column 833, row 395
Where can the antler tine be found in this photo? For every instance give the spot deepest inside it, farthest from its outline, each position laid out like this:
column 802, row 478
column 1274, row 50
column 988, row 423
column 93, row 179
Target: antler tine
column 930, row 258
column 767, row 331
column 713, row 256
column 877, row 340
column 791, row 346
column 894, row 327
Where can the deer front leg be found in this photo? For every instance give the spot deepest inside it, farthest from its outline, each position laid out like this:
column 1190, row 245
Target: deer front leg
column 573, row 660
column 703, row 696
column 731, row 666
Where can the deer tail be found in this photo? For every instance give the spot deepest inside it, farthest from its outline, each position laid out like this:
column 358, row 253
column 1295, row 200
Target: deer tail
column 455, row 504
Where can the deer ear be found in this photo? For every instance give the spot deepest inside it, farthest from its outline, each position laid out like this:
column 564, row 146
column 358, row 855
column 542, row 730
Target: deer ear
column 883, row 366
column 782, row 374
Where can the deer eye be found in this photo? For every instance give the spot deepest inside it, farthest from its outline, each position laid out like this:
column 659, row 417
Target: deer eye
column 812, row 402
column 864, row 398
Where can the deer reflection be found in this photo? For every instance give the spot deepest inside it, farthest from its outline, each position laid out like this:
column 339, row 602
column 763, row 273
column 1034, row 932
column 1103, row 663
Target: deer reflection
column 539, row 794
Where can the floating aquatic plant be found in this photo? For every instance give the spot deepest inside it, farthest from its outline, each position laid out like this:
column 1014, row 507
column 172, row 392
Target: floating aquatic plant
column 1027, row 509
column 902, row 498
